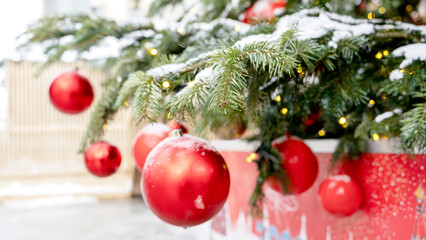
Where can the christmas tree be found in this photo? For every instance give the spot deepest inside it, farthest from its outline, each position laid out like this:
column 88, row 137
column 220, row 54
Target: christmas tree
column 353, row 70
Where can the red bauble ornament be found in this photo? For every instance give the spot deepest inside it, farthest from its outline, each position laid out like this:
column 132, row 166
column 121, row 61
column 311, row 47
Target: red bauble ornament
column 102, row 159
column 175, row 125
column 147, row 139
column 264, row 10
column 340, row 195
column 71, row 93
column 299, row 164
column 185, row 181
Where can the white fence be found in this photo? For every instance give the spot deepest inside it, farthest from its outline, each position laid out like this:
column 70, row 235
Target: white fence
column 39, row 144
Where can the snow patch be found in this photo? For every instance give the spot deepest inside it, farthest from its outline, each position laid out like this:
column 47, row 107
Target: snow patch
column 199, row 202
column 48, row 202
column 416, row 51
column 387, row 115
column 395, row 75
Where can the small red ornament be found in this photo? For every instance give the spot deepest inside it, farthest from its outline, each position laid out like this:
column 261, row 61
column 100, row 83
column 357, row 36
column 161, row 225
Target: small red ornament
column 102, row 159
column 71, row 93
column 185, row 181
column 147, row 139
column 264, row 10
column 340, row 195
column 299, row 164
column 175, row 125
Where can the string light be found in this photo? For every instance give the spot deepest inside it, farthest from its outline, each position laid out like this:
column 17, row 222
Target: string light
column 193, row 11
column 251, row 157
column 166, row 84
column 321, row 132
column 169, row 115
column 376, row 137
column 379, row 55
column 284, row 111
column 105, row 126
column 153, row 51
column 385, row 53
column 382, row 10
column 342, row 120
column 237, row 28
column 180, row 30
column 402, row 70
column 409, row 8
column 370, row 15
column 126, row 104
column 191, row 83
column 277, row 98
column 371, row 102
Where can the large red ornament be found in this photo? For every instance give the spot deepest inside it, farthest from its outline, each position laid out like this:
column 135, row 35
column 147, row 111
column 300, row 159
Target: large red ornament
column 185, row 181
column 102, row 159
column 340, row 195
column 71, row 93
column 147, row 139
column 264, row 10
column 299, row 164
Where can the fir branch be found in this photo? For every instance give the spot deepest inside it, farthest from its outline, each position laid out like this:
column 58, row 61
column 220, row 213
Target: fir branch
column 413, row 131
column 147, row 98
column 102, row 113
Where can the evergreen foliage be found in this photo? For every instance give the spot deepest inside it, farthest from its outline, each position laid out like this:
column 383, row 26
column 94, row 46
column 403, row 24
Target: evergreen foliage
column 222, row 71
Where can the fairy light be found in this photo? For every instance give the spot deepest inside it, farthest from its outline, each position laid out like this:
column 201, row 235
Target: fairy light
column 277, row 98
column 284, row 111
column 379, row 55
column 126, row 104
column 153, row 51
column 166, row 84
column 169, row 115
column 193, row 11
column 382, row 10
column 251, row 157
column 180, row 30
column 376, row 137
column 191, row 83
column 237, row 28
column 321, row 132
column 370, row 15
column 402, row 70
column 105, row 126
column 385, row 53
column 409, row 8
column 371, row 102
column 342, row 120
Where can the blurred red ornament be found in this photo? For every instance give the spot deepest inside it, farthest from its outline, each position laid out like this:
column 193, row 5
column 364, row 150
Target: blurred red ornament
column 71, row 93
column 299, row 163
column 264, row 10
column 147, row 139
column 340, row 195
column 185, row 181
column 313, row 123
column 102, row 159
column 175, row 125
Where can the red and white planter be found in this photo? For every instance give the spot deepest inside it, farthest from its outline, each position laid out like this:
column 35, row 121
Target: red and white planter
column 388, row 180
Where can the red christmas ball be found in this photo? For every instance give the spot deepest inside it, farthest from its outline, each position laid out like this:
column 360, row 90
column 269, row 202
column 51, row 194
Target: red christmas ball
column 185, row 181
column 71, row 93
column 264, row 10
column 340, row 195
column 299, row 164
column 175, row 125
column 102, row 159
column 147, row 139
